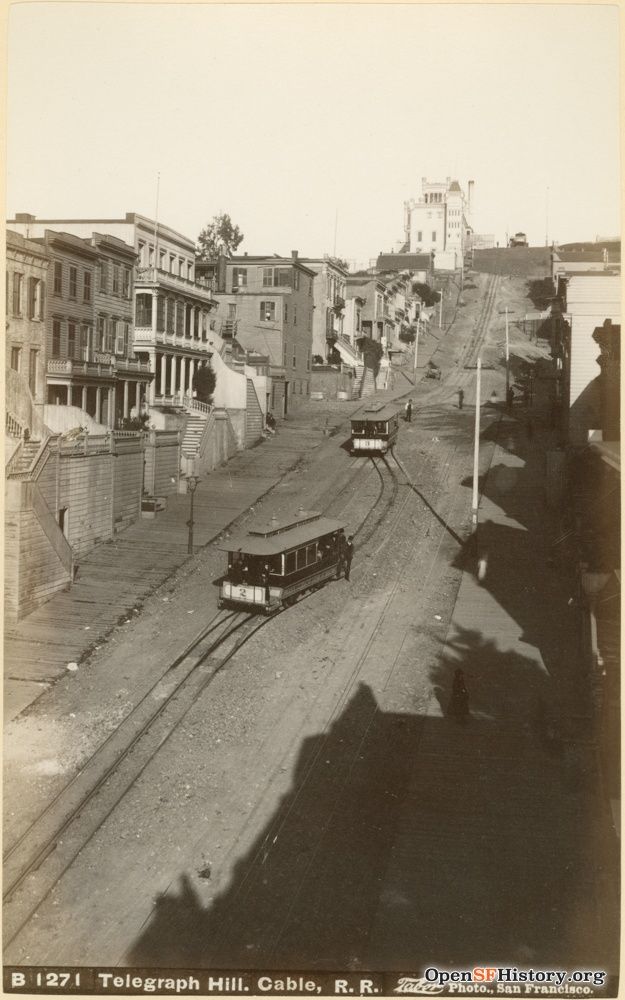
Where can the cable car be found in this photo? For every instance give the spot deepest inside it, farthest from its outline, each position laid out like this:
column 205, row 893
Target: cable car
column 274, row 561
column 374, row 429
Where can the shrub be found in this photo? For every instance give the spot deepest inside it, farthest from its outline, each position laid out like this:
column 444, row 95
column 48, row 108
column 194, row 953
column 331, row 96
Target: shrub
column 372, row 353
column 204, row 382
column 428, row 296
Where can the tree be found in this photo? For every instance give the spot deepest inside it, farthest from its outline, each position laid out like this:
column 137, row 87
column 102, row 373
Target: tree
column 372, row 353
column 204, row 382
column 220, row 235
column 427, row 295
column 341, row 262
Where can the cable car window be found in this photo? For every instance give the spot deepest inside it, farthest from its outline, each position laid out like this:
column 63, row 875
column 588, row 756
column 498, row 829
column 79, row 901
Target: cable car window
column 301, row 558
column 290, row 562
column 311, row 554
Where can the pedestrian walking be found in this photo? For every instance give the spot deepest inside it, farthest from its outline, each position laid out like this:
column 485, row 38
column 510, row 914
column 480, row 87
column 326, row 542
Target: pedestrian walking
column 348, row 555
column 460, row 398
column 509, row 399
column 408, row 410
column 459, row 704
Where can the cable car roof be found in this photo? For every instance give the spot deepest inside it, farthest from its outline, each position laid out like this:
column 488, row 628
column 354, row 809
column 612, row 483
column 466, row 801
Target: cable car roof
column 268, row 538
column 378, row 411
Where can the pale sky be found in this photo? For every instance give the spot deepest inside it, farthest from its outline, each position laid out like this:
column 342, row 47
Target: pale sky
column 284, row 116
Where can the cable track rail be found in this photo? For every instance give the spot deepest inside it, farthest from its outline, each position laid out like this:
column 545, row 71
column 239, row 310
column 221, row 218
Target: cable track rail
column 473, row 347
column 43, row 835
column 385, row 483
column 132, row 755
column 52, row 830
column 275, row 833
column 205, row 631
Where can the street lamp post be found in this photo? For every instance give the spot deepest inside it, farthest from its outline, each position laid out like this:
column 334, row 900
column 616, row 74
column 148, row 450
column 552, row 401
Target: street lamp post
column 192, row 482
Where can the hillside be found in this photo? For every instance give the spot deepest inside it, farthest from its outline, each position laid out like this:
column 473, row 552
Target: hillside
column 520, row 262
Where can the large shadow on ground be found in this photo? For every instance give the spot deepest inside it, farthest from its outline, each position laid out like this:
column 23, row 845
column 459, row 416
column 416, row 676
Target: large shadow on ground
column 407, row 839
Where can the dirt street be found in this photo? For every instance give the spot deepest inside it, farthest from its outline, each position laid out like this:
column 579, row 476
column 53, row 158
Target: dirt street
column 316, row 808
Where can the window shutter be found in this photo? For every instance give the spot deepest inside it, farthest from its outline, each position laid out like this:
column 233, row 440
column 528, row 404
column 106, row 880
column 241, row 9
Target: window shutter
column 119, row 337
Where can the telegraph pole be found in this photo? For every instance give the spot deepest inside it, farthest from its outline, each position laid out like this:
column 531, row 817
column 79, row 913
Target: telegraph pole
column 476, row 451
column 416, row 349
column 507, row 355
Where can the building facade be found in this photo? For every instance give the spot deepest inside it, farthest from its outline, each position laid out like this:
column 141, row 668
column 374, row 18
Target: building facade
column 376, row 321
column 329, row 303
column 113, row 337
column 26, row 292
column 172, row 306
column 438, row 222
column 586, row 301
column 267, row 304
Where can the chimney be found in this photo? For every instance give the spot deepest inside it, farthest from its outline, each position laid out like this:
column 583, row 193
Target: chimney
column 294, row 254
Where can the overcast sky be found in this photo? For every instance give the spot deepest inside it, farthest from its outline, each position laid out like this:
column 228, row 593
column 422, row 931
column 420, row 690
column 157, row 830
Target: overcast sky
column 284, row 116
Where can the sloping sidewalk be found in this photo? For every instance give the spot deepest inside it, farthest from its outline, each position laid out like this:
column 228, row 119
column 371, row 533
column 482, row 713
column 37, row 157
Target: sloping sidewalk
column 504, row 814
column 115, row 577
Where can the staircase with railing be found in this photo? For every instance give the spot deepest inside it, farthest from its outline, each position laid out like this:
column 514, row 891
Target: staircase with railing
column 38, row 557
column 349, row 354
column 254, row 419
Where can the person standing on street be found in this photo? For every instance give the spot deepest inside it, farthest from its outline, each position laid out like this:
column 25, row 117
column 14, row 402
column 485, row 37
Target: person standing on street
column 460, row 398
column 509, row 399
column 409, row 410
column 459, row 705
column 348, row 555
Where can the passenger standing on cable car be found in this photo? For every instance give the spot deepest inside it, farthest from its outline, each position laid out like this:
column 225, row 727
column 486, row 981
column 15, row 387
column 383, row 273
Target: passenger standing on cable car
column 348, row 555
column 266, row 573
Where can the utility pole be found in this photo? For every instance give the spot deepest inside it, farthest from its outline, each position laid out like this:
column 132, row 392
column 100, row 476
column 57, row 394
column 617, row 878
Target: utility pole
column 476, row 451
column 158, row 184
column 416, row 349
column 507, row 355
column 440, row 310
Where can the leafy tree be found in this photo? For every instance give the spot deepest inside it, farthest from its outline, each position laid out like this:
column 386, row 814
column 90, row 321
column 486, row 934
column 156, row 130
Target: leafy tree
column 407, row 336
column 218, row 235
column 541, row 292
column 428, row 296
column 372, row 352
column 139, row 423
column 204, row 382
column 340, row 261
